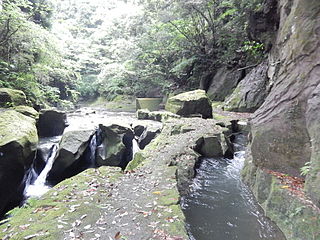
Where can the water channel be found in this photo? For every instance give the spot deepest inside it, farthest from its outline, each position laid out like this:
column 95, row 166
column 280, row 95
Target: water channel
column 221, row 207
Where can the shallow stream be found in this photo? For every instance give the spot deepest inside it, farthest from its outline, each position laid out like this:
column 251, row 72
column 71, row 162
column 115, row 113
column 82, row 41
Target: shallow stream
column 221, row 207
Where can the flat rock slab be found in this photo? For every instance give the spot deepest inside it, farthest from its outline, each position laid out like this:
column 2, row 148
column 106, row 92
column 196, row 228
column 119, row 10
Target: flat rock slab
column 106, row 203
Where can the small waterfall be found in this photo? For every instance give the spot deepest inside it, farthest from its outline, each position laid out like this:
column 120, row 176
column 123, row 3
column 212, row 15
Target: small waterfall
column 39, row 188
column 135, row 147
column 93, row 149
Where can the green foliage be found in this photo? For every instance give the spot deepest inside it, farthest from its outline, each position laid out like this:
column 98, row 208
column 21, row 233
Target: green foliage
column 254, row 50
column 145, row 48
column 29, row 58
column 305, row 169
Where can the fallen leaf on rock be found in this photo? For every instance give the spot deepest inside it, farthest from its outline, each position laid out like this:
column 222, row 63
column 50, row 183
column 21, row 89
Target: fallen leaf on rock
column 118, row 235
column 157, row 192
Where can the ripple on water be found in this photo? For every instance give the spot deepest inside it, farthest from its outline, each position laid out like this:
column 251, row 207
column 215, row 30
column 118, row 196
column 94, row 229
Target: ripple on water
column 221, row 207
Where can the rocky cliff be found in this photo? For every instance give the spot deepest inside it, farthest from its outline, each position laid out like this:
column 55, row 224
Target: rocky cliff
column 285, row 129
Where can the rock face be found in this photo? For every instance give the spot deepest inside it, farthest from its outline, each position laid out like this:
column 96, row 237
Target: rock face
column 280, row 132
column 145, row 133
column 250, row 92
column 285, row 129
column 73, row 155
column 223, row 83
column 51, row 123
column 18, row 140
column 190, row 103
column 11, row 98
column 116, row 146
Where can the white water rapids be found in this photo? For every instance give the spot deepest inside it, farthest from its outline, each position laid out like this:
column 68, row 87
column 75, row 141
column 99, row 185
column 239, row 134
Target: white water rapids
column 38, row 188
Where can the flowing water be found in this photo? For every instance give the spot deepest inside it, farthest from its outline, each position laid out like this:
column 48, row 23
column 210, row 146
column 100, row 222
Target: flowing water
column 81, row 119
column 39, row 187
column 135, row 147
column 221, row 207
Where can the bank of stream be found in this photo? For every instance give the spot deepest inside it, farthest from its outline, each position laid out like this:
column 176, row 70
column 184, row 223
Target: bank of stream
column 221, row 206
column 143, row 203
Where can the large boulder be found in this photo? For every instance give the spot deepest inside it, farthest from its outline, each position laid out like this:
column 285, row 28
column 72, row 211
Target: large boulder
column 190, row 104
column 116, row 145
column 18, row 141
column 223, row 83
column 51, row 123
column 73, row 155
column 250, row 92
column 11, row 98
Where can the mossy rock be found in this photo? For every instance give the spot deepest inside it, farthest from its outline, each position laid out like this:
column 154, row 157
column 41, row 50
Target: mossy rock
column 10, row 98
column 190, row 103
column 27, row 111
column 18, row 142
column 251, row 92
column 51, row 215
column 16, row 127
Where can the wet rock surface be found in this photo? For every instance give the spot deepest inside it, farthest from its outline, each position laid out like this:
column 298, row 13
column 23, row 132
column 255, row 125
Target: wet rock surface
column 116, row 145
column 71, row 157
column 159, row 116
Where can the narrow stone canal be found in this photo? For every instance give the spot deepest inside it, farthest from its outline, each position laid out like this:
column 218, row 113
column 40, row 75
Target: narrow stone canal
column 221, row 207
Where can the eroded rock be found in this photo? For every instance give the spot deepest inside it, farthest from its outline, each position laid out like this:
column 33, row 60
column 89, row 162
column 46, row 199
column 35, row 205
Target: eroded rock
column 27, row 111
column 160, row 116
column 72, row 157
column 116, row 146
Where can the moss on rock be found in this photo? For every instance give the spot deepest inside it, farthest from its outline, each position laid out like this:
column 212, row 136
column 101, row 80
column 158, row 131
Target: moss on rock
column 27, row 111
column 10, row 98
column 18, row 141
column 190, row 103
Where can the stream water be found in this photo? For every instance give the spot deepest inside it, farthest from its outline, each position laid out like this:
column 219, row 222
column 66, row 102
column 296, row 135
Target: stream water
column 81, row 119
column 221, row 207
